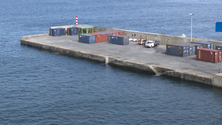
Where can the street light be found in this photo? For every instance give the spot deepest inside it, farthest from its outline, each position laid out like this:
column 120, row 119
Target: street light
column 191, row 14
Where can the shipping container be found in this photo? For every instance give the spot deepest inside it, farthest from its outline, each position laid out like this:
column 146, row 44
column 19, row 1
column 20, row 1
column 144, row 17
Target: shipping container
column 177, row 49
column 192, row 48
column 220, row 56
column 119, row 39
column 115, row 32
column 62, row 31
column 86, row 38
column 54, row 31
column 100, row 37
column 197, row 46
column 208, row 45
column 108, row 35
column 219, row 47
column 71, row 31
column 209, row 55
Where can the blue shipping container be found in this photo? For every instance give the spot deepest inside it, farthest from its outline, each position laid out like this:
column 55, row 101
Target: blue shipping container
column 177, row 49
column 71, row 31
column 120, row 40
column 208, row 45
column 108, row 35
column 62, row 31
column 197, row 46
column 54, row 32
column 219, row 47
column 192, row 48
column 86, row 38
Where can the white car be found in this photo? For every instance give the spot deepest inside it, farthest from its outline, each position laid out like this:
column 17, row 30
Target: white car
column 133, row 40
column 150, row 43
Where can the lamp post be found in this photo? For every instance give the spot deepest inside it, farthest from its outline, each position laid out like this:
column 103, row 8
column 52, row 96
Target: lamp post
column 191, row 14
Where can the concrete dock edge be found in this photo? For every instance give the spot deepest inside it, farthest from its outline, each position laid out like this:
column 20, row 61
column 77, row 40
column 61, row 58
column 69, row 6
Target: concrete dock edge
column 209, row 80
column 130, row 64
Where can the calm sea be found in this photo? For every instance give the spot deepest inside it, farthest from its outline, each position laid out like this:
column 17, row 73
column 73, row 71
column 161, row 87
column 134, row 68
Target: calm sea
column 42, row 88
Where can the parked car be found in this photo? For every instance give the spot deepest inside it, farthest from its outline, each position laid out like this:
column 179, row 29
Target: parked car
column 151, row 43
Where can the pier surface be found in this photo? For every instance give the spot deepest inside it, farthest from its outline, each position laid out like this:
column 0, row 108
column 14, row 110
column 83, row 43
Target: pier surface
column 133, row 56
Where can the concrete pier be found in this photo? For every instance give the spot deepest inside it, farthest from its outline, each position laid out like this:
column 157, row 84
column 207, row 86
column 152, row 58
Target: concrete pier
column 153, row 60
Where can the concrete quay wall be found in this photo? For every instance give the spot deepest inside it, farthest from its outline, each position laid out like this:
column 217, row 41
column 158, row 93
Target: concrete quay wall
column 210, row 80
column 164, row 39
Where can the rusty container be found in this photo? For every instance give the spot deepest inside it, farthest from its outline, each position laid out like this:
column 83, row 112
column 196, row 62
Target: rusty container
column 209, row 55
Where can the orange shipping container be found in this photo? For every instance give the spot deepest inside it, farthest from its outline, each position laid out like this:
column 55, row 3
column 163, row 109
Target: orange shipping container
column 209, row 55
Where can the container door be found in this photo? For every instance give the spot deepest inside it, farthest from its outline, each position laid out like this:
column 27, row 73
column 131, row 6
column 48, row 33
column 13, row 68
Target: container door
column 219, row 56
column 98, row 38
column 56, row 32
column 71, row 31
column 185, row 51
column 105, row 37
column 112, row 38
column 126, row 40
column 92, row 39
column 68, row 31
column 215, row 57
column 89, row 39
column 192, row 50
column 61, row 31
column 189, row 50
column 167, row 49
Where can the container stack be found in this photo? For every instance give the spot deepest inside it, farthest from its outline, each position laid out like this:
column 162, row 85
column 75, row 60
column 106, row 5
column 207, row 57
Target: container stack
column 209, row 55
column 99, row 37
column 192, row 48
column 71, row 31
column 108, row 35
column 208, row 45
column 177, row 49
column 113, row 36
column 113, row 33
column 87, row 38
column 120, row 40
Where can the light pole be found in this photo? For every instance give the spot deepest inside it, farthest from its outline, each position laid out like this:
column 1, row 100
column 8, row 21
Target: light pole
column 191, row 14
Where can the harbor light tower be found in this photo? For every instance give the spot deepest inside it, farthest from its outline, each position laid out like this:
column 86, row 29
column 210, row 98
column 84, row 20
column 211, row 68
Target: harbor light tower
column 191, row 14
